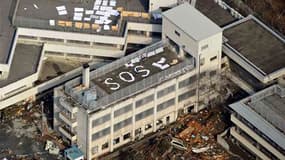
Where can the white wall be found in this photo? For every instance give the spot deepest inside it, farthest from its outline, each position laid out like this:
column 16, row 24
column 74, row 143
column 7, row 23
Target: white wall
column 155, row 4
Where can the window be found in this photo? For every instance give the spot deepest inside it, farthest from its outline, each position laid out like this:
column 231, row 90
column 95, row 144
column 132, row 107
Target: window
column 148, row 126
column 122, row 124
column 138, row 131
column 224, row 65
column 116, row 141
column 213, row 58
column 167, row 119
column 144, row 100
column 101, row 120
column 165, row 105
column 105, row 145
column 123, row 110
column 159, row 122
column 127, row 136
column 186, row 95
column 204, row 47
column 187, row 82
column 101, row 133
column 165, row 91
column 144, row 114
column 177, row 33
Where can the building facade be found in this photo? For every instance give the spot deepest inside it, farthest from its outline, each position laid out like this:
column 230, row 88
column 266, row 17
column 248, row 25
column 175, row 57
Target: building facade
column 137, row 94
column 259, row 123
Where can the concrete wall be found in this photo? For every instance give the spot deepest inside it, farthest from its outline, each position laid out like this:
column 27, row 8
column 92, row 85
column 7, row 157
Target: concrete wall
column 154, row 5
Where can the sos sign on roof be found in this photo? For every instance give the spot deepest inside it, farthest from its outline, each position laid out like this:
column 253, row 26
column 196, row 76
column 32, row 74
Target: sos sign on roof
column 137, row 69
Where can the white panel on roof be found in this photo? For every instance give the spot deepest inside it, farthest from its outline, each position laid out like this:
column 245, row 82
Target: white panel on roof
column 63, row 12
column 60, row 8
column 78, row 9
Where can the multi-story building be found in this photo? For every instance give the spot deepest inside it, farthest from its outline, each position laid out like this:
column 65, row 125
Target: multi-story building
column 135, row 95
column 259, row 123
column 37, row 29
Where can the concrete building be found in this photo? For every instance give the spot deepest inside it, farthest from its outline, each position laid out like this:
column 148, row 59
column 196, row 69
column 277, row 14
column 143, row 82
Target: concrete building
column 38, row 24
column 256, row 53
column 259, row 123
column 137, row 94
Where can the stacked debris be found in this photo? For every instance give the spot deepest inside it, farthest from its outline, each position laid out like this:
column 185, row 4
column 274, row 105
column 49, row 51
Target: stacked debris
column 192, row 137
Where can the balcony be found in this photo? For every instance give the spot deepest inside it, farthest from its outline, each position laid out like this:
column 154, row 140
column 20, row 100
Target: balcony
column 67, row 119
column 68, row 134
column 65, row 103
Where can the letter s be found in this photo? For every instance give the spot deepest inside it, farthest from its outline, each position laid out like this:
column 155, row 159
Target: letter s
column 142, row 70
column 117, row 85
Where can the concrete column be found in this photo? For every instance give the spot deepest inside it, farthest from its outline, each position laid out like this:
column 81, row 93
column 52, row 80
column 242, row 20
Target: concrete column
column 86, row 75
column 133, row 121
column 176, row 99
column 147, row 34
column 65, row 55
column 193, row 3
column 155, row 110
column 181, row 52
column 112, row 130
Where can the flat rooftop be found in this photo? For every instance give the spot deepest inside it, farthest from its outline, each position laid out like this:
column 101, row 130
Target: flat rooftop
column 6, row 30
column 168, row 58
column 25, row 63
column 192, row 22
column 258, row 45
column 130, row 75
column 265, row 110
column 214, row 12
column 75, row 15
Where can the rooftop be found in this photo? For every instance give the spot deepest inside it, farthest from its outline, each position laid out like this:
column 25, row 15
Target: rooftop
column 131, row 75
column 214, row 12
column 6, row 30
column 197, row 26
column 25, row 63
column 92, row 16
column 265, row 110
column 257, row 44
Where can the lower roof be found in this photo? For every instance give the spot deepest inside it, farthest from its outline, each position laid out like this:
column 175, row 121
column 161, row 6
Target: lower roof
column 25, row 63
column 6, row 30
column 257, row 44
column 265, row 111
column 214, row 12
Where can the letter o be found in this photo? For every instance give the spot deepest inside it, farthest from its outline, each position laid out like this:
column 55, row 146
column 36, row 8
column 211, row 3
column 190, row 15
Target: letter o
column 131, row 76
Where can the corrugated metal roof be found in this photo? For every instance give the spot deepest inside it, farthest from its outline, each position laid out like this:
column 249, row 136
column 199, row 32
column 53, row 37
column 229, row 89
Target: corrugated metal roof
column 191, row 21
column 260, row 123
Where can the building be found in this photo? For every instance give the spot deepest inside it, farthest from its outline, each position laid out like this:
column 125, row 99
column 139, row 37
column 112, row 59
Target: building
column 259, row 123
column 41, row 28
column 255, row 51
column 137, row 94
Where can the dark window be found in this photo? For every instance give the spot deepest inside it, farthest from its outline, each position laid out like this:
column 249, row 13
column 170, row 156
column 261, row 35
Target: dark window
column 116, row 141
column 101, row 120
column 144, row 114
column 144, row 100
column 127, row 136
column 101, row 133
column 177, row 33
column 122, row 124
column 165, row 91
column 186, row 95
column 105, row 145
column 187, row 81
column 165, row 105
column 148, row 126
column 123, row 110
column 213, row 58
